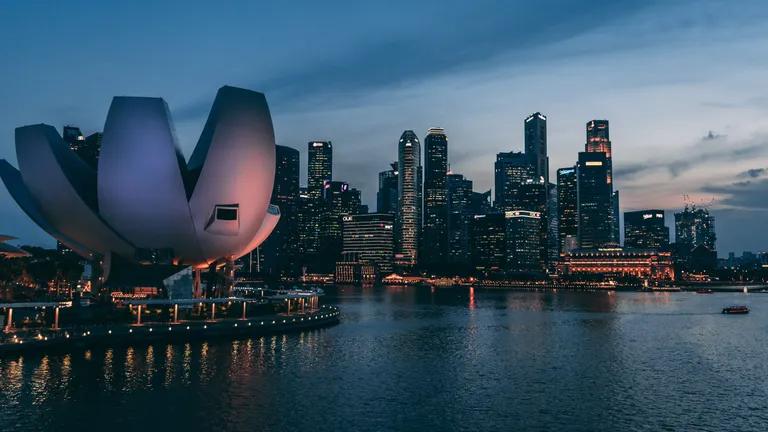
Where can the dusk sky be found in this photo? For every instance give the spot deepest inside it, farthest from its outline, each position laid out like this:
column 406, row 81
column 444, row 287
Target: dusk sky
column 684, row 86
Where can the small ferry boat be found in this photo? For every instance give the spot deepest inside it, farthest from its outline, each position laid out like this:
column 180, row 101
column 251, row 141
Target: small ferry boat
column 736, row 310
column 704, row 291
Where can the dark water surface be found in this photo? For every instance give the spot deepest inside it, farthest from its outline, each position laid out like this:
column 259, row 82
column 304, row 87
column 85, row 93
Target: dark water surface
column 413, row 359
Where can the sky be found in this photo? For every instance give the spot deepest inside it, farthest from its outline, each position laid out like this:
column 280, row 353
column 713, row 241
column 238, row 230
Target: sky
column 681, row 82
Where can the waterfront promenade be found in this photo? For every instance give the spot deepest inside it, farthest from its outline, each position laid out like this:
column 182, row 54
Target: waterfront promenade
column 85, row 336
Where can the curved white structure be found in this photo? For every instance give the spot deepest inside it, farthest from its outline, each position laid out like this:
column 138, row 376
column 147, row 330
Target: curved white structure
column 145, row 203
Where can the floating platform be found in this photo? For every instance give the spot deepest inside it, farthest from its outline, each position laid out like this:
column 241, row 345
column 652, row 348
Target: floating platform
column 131, row 334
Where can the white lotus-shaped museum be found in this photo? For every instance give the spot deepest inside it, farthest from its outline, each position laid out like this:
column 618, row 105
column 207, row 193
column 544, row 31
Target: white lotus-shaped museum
column 144, row 202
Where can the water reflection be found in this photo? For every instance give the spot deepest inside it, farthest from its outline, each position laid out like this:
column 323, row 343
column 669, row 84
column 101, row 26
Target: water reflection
column 421, row 358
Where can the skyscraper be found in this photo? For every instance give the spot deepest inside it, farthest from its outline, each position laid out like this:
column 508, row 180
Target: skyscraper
column 370, row 236
column 339, row 200
column 599, row 141
column 319, row 173
column 533, row 198
column 510, row 171
column 459, row 216
column 435, row 234
column 319, row 167
column 615, row 218
column 694, row 227
column 536, row 144
column 307, row 233
column 280, row 251
column 489, row 242
column 409, row 199
column 645, row 229
column 593, row 201
column 386, row 197
column 523, row 246
column 567, row 210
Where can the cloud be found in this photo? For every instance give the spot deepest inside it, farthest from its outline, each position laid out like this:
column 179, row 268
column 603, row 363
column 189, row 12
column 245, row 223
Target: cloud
column 748, row 194
column 754, row 173
column 711, row 148
column 468, row 36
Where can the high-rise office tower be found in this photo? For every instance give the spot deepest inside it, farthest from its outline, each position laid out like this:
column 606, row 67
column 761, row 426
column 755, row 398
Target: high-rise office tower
column 435, row 229
column 645, row 229
column 510, row 171
column 536, row 143
column 553, row 237
column 370, row 236
column 319, row 173
column 409, row 199
column 599, row 141
column 459, row 216
column 523, row 245
column 489, row 242
column 593, row 196
column 615, row 219
column 319, row 166
column 386, row 197
column 533, row 198
column 339, row 200
column 307, row 233
column 695, row 226
column 567, row 210
column 280, row 251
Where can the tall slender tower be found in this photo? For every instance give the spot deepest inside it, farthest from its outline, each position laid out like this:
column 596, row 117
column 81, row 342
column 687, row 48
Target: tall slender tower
column 319, row 173
column 409, row 199
column 536, row 144
column 599, row 141
column 567, row 210
column 319, row 167
column 281, row 249
column 434, row 247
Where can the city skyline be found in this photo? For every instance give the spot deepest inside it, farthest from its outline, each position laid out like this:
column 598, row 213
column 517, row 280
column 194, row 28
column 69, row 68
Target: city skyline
column 677, row 127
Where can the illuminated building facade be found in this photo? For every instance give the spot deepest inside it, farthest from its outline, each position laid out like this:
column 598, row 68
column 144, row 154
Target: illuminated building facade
column 319, row 166
column 371, row 237
column 594, row 205
column 646, row 229
column 435, row 230
column 599, row 141
column 319, row 173
column 144, row 207
column 523, row 245
column 409, row 200
column 535, row 127
column 489, row 242
column 339, row 200
column 511, row 170
column 695, row 226
column 567, row 209
column 352, row 269
column 648, row 264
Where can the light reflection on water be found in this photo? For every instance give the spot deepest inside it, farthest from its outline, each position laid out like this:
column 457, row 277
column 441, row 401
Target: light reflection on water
column 412, row 358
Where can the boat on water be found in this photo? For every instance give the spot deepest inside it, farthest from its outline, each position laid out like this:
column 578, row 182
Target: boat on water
column 740, row 310
column 704, row 291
